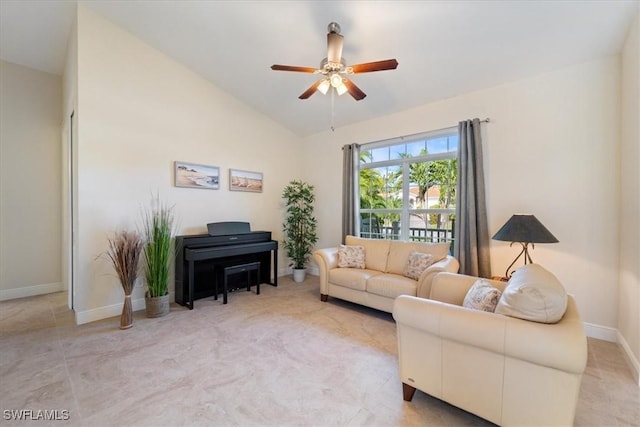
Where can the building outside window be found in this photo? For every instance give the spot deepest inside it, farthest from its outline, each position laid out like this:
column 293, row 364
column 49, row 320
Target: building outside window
column 407, row 187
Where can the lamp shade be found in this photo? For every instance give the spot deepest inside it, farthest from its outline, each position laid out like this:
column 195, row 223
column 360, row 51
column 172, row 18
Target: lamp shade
column 525, row 229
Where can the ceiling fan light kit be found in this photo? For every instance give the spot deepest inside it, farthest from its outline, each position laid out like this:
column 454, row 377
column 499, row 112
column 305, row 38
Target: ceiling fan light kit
column 334, row 69
column 324, row 86
column 341, row 89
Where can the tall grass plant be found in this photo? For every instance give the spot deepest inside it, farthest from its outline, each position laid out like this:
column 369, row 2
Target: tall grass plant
column 158, row 222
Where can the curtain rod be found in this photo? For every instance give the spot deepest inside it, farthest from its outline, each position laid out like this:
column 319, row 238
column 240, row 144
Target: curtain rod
column 400, row 138
column 487, row 120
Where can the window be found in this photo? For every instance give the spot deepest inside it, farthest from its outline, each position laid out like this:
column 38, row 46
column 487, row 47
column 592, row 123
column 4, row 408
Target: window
column 408, row 187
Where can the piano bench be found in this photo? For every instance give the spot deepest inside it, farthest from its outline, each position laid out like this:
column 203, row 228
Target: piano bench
column 241, row 268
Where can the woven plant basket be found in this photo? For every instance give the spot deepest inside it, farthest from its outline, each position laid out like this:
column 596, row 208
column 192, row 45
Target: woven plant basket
column 157, row 306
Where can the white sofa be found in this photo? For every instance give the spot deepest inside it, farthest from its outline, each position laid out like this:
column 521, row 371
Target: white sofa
column 382, row 280
column 510, row 371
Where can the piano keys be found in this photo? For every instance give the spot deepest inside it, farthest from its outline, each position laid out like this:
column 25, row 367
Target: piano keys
column 201, row 259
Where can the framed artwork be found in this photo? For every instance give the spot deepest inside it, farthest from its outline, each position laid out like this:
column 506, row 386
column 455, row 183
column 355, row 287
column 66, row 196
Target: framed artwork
column 193, row 175
column 245, row 181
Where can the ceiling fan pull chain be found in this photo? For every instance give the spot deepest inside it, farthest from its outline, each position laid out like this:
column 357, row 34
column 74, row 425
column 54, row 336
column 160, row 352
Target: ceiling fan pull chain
column 332, row 112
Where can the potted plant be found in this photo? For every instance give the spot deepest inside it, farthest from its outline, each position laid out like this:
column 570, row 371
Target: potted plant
column 158, row 234
column 299, row 227
column 124, row 251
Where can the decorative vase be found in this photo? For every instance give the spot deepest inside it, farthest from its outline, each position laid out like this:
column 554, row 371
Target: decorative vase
column 299, row 274
column 126, row 318
column 157, row 306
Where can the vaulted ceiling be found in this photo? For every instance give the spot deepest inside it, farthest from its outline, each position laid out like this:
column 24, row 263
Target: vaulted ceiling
column 444, row 48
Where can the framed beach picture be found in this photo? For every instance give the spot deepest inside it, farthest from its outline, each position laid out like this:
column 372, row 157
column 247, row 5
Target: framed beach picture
column 245, row 181
column 193, row 175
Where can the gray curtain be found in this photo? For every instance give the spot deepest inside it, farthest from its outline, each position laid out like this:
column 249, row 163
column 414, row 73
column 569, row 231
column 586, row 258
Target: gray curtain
column 350, row 156
column 471, row 246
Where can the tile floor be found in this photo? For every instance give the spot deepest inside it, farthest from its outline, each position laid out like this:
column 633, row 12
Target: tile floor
column 282, row 358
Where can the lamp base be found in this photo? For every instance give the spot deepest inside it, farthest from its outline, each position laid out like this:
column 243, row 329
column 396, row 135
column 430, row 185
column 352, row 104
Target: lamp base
column 527, row 257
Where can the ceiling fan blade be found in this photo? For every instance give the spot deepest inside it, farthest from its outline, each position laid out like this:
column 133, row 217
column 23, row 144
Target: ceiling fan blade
column 334, row 47
column 367, row 67
column 354, row 90
column 307, row 93
column 277, row 67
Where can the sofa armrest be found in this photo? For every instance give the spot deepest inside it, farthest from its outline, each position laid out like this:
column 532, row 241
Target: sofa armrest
column 561, row 345
column 447, row 264
column 326, row 259
column 452, row 287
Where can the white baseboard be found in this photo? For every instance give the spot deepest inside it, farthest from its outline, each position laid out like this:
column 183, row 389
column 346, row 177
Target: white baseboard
column 29, row 291
column 284, row 271
column 604, row 333
column 634, row 363
column 111, row 310
column 314, row 271
column 613, row 335
column 106, row 311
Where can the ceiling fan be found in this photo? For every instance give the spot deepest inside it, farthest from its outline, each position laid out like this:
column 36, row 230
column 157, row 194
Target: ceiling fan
column 334, row 69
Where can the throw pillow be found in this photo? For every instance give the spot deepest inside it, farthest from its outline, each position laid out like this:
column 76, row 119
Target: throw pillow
column 534, row 294
column 351, row 256
column 482, row 296
column 417, row 263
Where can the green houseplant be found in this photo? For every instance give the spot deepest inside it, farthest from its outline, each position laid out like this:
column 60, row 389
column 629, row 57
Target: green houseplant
column 158, row 234
column 300, row 226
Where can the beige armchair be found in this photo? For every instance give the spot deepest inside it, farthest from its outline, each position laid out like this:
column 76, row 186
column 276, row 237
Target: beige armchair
column 504, row 369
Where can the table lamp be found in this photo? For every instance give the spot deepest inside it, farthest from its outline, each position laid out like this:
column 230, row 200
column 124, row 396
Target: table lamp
column 524, row 229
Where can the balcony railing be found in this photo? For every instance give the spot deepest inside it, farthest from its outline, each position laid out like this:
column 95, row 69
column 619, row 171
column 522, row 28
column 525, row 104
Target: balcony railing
column 431, row 235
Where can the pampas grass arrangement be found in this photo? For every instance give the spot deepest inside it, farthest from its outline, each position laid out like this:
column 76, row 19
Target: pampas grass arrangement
column 124, row 250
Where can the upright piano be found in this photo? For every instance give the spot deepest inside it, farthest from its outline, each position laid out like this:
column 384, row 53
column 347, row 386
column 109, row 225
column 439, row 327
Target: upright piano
column 201, row 259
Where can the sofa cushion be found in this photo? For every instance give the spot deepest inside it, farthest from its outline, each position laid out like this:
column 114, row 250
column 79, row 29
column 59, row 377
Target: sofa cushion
column 354, row 278
column 391, row 285
column 375, row 251
column 482, row 296
column 351, row 256
column 533, row 293
column 416, row 264
column 399, row 253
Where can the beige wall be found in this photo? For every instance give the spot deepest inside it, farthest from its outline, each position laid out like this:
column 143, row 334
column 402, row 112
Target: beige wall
column 139, row 111
column 551, row 149
column 30, row 238
column 629, row 292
